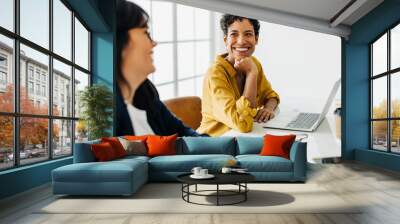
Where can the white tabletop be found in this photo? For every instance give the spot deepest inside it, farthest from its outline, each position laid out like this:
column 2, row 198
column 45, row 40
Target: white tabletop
column 322, row 143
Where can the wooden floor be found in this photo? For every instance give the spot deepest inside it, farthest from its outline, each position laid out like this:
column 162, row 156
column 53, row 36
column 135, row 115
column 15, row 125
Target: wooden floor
column 378, row 188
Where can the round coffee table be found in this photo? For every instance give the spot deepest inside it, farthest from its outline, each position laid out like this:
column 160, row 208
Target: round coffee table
column 238, row 179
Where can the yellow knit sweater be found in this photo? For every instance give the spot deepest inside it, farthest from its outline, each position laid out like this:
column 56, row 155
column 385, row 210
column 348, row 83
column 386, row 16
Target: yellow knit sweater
column 223, row 106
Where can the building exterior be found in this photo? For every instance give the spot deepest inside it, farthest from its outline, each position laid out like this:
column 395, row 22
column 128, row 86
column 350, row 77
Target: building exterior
column 34, row 79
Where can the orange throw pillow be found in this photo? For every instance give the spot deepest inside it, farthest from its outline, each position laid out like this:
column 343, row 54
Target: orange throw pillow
column 135, row 138
column 161, row 145
column 103, row 152
column 116, row 145
column 277, row 145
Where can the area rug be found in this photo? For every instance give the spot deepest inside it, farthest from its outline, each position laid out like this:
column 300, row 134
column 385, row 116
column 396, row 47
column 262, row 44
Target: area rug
column 167, row 198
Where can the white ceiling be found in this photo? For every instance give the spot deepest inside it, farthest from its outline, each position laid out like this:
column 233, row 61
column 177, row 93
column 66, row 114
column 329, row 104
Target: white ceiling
column 315, row 15
column 319, row 9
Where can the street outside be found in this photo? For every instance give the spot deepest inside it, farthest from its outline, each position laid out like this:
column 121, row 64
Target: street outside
column 32, row 156
column 381, row 145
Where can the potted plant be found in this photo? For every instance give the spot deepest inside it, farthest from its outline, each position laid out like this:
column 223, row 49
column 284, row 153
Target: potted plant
column 96, row 104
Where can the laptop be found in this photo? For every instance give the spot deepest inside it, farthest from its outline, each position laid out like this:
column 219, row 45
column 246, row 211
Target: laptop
column 300, row 121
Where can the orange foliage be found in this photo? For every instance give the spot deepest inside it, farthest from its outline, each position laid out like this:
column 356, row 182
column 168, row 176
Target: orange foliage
column 380, row 111
column 33, row 130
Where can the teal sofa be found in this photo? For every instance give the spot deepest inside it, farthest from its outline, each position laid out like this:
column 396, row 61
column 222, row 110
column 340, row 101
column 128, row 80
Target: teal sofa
column 125, row 176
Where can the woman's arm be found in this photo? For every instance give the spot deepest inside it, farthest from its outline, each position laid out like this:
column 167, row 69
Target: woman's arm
column 249, row 68
column 250, row 89
column 235, row 113
column 270, row 100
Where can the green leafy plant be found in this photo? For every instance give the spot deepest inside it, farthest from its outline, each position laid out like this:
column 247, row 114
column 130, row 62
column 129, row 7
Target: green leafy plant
column 96, row 103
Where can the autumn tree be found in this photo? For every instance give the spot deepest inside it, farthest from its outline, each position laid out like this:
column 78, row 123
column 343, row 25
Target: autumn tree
column 6, row 122
column 33, row 131
column 396, row 123
column 380, row 127
column 81, row 129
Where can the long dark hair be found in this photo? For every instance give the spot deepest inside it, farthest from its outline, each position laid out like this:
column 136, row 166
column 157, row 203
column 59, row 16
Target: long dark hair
column 129, row 16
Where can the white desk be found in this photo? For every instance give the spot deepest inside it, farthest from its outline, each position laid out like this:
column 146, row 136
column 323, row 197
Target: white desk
column 321, row 143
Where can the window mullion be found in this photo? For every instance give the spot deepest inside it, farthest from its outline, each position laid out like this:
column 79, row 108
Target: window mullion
column 19, row 77
column 73, row 82
column 151, row 30
column 175, row 47
column 389, row 91
column 371, row 141
column 194, row 43
column 16, row 70
column 212, row 39
column 388, row 95
column 50, row 81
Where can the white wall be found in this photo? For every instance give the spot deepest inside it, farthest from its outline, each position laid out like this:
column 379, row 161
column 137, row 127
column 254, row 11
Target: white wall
column 301, row 65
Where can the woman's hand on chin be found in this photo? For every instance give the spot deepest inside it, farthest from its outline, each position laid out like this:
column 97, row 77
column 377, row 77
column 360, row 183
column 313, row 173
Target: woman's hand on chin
column 246, row 65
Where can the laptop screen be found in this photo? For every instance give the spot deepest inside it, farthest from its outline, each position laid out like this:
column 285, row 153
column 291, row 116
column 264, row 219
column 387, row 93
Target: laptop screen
column 330, row 98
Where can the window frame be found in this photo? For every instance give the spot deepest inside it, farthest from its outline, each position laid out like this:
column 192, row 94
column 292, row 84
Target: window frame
column 175, row 42
column 3, row 77
column 3, row 69
column 5, row 58
column 16, row 115
column 388, row 74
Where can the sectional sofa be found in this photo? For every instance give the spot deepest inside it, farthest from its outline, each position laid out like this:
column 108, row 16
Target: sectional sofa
column 125, row 176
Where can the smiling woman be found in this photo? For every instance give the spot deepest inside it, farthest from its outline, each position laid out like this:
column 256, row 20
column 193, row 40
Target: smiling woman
column 235, row 90
column 139, row 109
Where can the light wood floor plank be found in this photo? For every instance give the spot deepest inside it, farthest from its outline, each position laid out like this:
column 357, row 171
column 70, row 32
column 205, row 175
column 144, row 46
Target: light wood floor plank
column 376, row 190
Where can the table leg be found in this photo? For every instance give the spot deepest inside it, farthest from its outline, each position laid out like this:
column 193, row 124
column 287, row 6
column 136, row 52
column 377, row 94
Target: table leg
column 217, row 194
column 182, row 188
column 196, row 188
column 188, row 189
column 245, row 191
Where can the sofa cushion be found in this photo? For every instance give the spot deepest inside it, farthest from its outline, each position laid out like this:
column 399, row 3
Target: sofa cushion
column 112, row 171
column 83, row 152
column 249, row 145
column 185, row 163
column 206, row 145
column 131, row 158
column 257, row 163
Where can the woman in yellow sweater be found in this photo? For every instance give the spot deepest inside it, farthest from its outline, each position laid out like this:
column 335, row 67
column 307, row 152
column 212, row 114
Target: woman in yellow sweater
column 235, row 90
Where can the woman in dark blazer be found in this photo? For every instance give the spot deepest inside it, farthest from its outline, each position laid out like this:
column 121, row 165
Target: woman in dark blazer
column 139, row 109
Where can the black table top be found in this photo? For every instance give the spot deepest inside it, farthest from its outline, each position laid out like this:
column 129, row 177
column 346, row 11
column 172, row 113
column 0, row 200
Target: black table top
column 220, row 178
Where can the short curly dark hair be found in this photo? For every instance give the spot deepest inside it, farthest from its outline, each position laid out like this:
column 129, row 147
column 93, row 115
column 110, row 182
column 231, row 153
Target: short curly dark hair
column 228, row 19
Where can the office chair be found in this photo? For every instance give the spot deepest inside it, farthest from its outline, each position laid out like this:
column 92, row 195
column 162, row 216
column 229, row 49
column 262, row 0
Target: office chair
column 187, row 108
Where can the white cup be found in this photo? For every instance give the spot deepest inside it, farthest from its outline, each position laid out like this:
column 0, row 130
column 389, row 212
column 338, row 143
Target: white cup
column 203, row 172
column 226, row 170
column 196, row 171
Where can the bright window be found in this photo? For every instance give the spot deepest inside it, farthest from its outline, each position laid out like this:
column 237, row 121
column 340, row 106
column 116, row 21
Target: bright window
column 184, row 48
column 385, row 94
column 38, row 125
